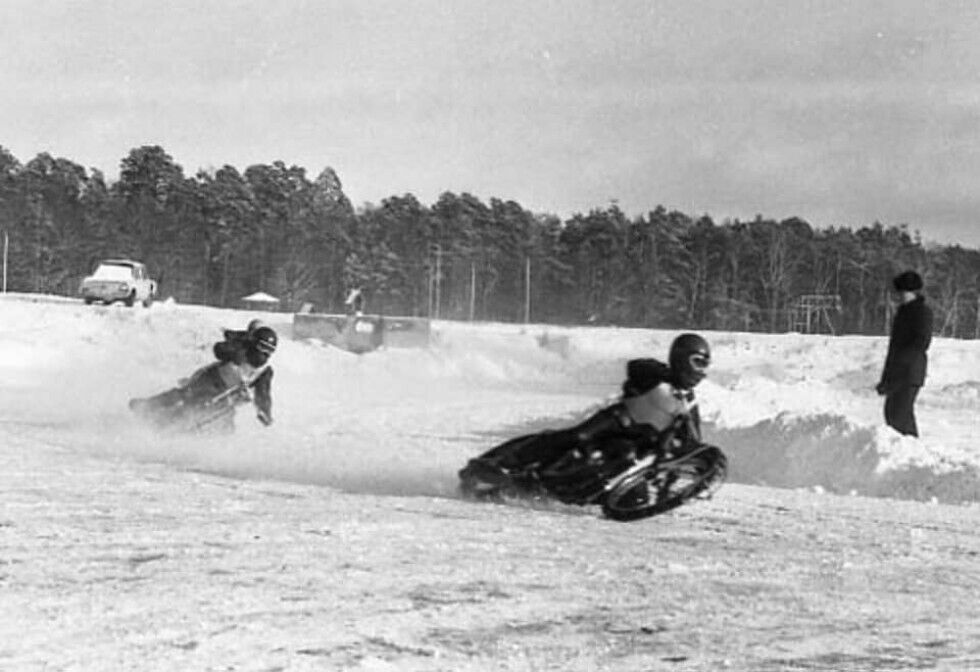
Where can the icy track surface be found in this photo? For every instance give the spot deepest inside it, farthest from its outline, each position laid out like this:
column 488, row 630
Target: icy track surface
column 789, row 410
column 334, row 539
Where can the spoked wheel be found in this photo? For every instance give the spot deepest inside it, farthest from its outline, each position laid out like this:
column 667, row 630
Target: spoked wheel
column 660, row 488
column 581, row 479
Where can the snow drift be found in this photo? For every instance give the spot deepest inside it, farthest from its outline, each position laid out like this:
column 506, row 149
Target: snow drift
column 790, row 410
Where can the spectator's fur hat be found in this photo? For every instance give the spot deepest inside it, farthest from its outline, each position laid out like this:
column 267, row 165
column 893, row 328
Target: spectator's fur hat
column 909, row 281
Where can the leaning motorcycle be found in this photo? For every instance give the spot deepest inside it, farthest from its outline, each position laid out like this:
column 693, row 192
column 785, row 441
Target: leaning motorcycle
column 193, row 407
column 630, row 476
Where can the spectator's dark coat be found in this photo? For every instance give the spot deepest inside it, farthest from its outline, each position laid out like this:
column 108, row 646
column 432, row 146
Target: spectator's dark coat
column 905, row 363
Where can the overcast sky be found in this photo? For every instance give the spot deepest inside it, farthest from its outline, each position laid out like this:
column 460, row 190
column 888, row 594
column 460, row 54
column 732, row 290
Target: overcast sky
column 841, row 113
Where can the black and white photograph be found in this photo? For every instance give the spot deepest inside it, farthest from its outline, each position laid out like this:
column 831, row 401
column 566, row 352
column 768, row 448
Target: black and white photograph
column 467, row 336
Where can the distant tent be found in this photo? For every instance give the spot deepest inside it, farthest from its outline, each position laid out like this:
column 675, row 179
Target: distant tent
column 260, row 301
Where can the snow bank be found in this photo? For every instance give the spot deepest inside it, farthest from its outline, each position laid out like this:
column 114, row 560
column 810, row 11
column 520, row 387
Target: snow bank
column 794, row 410
column 790, row 410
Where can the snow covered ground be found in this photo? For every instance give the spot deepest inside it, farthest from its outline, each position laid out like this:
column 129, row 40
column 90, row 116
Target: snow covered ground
column 334, row 539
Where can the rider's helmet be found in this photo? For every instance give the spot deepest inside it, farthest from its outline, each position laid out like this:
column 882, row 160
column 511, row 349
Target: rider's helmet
column 254, row 324
column 262, row 343
column 689, row 359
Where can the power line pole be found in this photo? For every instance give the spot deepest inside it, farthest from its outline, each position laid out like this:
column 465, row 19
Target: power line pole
column 438, row 279
column 472, row 290
column 527, row 290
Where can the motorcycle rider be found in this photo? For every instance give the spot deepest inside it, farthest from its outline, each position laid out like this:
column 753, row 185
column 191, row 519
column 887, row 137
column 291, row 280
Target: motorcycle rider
column 242, row 360
column 251, row 353
column 654, row 396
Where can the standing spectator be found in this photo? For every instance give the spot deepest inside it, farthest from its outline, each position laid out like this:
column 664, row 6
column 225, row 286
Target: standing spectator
column 905, row 365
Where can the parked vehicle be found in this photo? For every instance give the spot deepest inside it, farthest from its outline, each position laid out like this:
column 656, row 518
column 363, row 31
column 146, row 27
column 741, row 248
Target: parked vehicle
column 119, row 280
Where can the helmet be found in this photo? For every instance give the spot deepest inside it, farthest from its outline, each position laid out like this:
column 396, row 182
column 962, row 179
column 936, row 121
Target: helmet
column 264, row 339
column 689, row 359
column 254, row 324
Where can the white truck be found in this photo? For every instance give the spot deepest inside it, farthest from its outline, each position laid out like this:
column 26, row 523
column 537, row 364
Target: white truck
column 119, row 280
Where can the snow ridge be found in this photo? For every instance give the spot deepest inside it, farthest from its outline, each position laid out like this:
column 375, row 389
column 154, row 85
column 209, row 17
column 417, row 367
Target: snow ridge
column 790, row 411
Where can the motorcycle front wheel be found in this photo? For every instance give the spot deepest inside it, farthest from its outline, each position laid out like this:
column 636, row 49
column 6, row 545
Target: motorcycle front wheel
column 662, row 487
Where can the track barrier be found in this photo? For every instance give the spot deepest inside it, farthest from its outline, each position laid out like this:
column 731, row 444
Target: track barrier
column 363, row 333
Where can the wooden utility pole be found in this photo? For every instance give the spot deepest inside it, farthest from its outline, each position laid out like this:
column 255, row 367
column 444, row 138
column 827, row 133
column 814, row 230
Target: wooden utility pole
column 438, row 279
column 472, row 290
column 527, row 290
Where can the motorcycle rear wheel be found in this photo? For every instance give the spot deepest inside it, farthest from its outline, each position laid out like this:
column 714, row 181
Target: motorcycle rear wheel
column 661, row 488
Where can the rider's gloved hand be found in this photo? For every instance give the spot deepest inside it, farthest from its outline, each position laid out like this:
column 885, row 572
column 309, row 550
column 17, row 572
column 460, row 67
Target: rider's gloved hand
column 264, row 418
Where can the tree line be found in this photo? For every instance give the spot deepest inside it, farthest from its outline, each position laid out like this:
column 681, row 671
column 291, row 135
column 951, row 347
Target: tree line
column 221, row 234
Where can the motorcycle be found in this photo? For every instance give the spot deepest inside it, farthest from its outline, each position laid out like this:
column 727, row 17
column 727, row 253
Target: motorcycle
column 203, row 403
column 631, row 475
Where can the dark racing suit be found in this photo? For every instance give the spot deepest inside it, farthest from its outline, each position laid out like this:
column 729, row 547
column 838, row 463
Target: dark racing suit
column 231, row 370
column 651, row 401
column 234, row 350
